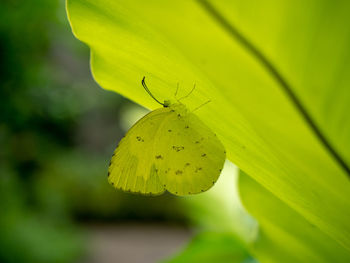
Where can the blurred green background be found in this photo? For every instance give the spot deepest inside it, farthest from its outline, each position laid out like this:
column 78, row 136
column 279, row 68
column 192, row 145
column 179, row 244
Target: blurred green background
column 58, row 130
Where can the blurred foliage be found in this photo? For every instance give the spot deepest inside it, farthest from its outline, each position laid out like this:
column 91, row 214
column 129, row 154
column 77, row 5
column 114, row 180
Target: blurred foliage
column 209, row 247
column 58, row 130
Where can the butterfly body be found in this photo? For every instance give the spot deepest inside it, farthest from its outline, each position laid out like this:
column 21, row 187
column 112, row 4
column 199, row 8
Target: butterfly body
column 168, row 149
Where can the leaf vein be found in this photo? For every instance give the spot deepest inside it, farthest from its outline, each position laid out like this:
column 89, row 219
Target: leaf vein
column 281, row 80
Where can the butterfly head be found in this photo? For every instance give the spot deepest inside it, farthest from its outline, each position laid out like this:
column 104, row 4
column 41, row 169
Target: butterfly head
column 166, row 103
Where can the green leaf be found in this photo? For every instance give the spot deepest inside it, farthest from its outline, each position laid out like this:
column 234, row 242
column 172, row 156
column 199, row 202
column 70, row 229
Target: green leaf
column 277, row 75
column 209, row 247
column 284, row 233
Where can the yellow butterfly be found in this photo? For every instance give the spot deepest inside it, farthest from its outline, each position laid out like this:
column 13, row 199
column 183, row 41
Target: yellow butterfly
column 168, row 149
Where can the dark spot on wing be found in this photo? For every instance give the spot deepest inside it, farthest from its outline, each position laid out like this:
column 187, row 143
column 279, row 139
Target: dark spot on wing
column 186, row 127
column 178, row 148
column 175, row 192
column 139, row 139
column 178, row 172
column 172, row 110
column 169, row 130
column 189, row 193
column 112, row 183
column 203, row 155
column 198, row 169
column 187, row 164
column 196, row 142
column 159, row 157
column 108, row 174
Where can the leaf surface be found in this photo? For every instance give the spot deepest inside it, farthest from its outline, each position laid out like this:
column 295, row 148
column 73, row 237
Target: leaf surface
column 285, row 235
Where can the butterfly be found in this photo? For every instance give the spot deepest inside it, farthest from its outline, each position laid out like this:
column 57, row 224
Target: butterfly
column 169, row 149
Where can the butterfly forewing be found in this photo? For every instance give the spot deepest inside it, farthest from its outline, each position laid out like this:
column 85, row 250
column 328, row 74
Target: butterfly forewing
column 132, row 166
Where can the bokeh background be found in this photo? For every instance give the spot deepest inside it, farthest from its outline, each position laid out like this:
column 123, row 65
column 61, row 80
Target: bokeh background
column 58, row 129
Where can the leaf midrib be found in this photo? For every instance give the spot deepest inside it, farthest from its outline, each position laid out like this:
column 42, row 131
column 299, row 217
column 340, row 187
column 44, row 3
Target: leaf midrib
column 279, row 78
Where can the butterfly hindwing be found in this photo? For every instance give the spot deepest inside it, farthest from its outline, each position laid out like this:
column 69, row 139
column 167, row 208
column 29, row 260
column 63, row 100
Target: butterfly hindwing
column 192, row 155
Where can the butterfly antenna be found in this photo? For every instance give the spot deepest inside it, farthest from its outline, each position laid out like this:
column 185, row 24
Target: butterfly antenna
column 194, row 86
column 148, row 91
column 177, row 89
column 200, row 106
